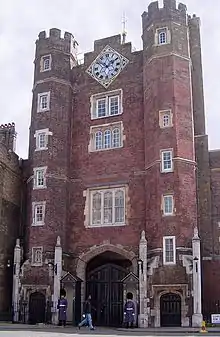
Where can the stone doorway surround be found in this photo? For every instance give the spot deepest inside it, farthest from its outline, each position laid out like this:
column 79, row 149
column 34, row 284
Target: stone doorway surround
column 179, row 289
column 94, row 251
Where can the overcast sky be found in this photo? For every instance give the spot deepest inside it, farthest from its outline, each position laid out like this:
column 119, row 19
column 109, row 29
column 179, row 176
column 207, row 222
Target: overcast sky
column 22, row 20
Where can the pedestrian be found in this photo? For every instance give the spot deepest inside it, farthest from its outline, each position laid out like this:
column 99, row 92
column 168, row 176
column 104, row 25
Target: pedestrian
column 129, row 311
column 62, row 307
column 87, row 314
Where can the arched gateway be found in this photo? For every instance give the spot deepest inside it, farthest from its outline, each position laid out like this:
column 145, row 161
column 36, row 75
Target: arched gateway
column 102, row 276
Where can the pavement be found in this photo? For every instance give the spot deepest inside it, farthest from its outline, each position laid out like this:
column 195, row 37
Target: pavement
column 21, row 330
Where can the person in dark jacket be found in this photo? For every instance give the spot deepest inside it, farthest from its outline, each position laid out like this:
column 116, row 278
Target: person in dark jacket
column 87, row 315
column 62, row 307
column 129, row 311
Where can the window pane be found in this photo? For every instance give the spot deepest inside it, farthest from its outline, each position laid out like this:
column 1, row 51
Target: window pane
column 98, row 140
column 107, row 139
column 40, row 178
column 167, row 160
column 166, row 120
column 114, row 105
column 168, row 204
column 43, row 102
column 169, row 252
column 101, row 107
column 119, row 206
column 162, row 37
column 41, row 140
column 46, row 63
column 116, row 138
column 107, row 207
column 96, row 208
column 39, row 213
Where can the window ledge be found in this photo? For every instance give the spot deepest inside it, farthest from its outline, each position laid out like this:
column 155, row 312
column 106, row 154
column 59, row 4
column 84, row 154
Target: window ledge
column 168, row 215
column 36, row 264
column 38, row 224
column 107, row 225
column 41, row 149
column 39, row 187
column 95, row 118
column 107, row 149
column 169, row 263
column 167, row 171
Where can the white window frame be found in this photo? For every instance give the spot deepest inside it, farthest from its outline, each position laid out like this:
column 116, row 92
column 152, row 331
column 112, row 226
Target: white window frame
column 47, row 133
column 163, row 204
column 36, row 264
column 162, row 153
column 39, row 98
column 42, row 62
column 162, row 114
column 34, row 205
column 159, row 31
column 165, row 262
column 102, row 191
column 102, row 128
column 107, row 96
column 37, row 170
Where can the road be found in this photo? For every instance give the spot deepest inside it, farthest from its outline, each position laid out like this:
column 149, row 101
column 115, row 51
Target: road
column 15, row 330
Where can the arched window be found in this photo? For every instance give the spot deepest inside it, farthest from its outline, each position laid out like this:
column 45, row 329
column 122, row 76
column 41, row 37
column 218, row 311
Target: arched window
column 162, row 38
column 96, row 208
column 107, row 139
column 119, row 206
column 116, row 138
column 98, row 140
column 107, row 207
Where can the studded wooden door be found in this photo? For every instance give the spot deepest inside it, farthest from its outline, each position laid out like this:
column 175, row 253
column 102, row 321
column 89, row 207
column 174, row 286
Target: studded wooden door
column 170, row 310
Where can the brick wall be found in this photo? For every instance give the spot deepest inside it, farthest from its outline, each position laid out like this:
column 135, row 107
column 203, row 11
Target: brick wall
column 10, row 196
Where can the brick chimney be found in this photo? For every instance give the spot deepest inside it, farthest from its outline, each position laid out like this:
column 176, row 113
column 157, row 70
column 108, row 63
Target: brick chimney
column 8, row 136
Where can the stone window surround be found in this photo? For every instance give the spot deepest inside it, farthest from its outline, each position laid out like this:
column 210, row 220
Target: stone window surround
column 36, row 135
column 162, row 168
column 163, row 113
column 36, row 170
column 102, row 128
column 157, row 36
column 163, row 205
column 34, row 250
column 94, row 98
column 39, row 101
column 34, row 205
column 174, row 250
column 42, row 62
column 88, row 205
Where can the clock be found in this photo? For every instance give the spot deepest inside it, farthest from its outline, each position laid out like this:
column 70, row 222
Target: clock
column 107, row 66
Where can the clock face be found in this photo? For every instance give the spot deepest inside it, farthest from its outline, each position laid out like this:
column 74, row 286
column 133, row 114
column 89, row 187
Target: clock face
column 107, row 66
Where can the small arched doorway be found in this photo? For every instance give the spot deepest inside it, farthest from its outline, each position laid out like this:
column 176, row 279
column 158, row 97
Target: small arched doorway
column 170, row 310
column 37, row 306
column 104, row 275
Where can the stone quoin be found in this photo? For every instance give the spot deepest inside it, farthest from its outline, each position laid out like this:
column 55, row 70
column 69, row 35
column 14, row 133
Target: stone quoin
column 119, row 192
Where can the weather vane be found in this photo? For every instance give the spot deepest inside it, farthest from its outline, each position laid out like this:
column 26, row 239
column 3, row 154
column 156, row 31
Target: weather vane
column 124, row 33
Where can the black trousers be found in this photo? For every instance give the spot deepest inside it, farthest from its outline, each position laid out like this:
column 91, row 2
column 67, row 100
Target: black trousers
column 62, row 323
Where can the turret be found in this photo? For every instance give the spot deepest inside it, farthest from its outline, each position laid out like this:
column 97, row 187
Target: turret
column 169, row 142
column 49, row 140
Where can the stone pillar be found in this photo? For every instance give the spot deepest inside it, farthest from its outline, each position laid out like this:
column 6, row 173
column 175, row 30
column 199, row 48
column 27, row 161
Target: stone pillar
column 16, row 281
column 57, row 278
column 143, row 315
column 197, row 301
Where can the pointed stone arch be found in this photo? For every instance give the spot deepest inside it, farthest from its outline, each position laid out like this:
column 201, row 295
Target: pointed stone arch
column 94, row 251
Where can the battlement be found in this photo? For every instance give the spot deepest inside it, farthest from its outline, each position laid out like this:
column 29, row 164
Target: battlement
column 67, row 43
column 8, row 135
column 194, row 20
column 168, row 11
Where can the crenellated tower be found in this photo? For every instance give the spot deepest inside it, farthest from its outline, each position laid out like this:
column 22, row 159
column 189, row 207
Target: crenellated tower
column 171, row 212
column 49, row 146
